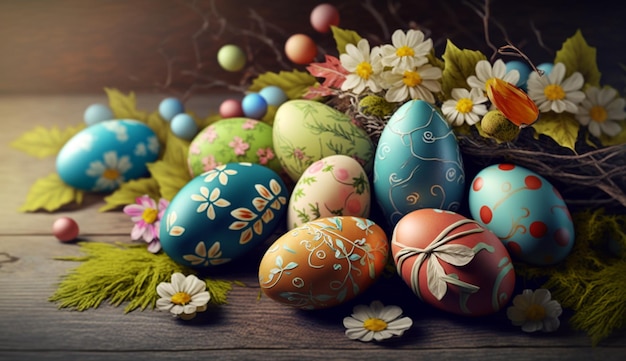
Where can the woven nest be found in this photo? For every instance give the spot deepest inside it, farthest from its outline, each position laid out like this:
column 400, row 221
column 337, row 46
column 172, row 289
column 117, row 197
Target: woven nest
column 591, row 178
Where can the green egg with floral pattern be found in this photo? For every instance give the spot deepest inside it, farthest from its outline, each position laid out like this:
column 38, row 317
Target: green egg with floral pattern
column 232, row 140
column 223, row 214
column 306, row 131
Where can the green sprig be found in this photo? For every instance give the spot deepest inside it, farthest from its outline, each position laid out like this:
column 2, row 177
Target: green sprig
column 122, row 273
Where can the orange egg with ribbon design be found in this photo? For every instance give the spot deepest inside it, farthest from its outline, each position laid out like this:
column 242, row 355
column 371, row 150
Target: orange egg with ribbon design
column 452, row 262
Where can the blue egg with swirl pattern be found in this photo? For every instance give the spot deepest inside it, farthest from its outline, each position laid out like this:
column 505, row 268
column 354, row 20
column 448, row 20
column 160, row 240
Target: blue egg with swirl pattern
column 418, row 163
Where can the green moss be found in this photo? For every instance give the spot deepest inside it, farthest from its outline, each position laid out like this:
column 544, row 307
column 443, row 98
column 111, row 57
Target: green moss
column 591, row 281
column 122, row 273
column 376, row 106
column 496, row 125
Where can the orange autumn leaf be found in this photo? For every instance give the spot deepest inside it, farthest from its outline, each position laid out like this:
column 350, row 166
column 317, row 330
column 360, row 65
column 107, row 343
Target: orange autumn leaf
column 513, row 102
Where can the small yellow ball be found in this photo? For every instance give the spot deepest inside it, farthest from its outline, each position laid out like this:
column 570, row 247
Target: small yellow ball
column 231, row 57
column 496, row 125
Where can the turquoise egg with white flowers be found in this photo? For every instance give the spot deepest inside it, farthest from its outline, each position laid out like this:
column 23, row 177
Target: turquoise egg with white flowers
column 101, row 157
column 223, row 214
column 418, row 163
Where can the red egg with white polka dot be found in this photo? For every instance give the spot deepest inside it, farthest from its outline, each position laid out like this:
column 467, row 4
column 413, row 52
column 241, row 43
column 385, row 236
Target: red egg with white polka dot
column 525, row 211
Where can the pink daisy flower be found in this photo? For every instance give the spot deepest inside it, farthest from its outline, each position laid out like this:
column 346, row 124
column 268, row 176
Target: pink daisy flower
column 249, row 124
column 265, row 155
column 239, row 146
column 147, row 214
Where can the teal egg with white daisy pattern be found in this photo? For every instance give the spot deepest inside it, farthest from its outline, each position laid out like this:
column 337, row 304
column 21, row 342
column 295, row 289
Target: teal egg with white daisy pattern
column 103, row 156
column 223, row 214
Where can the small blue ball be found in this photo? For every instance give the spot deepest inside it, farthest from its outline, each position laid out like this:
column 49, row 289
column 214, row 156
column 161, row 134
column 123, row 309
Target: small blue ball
column 273, row 95
column 96, row 113
column 546, row 67
column 522, row 68
column 170, row 107
column 183, row 126
column 254, row 106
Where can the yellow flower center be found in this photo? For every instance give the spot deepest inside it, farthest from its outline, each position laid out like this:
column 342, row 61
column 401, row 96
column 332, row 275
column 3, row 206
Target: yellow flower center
column 535, row 313
column 111, row 174
column 464, row 105
column 150, row 215
column 554, row 92
column 411, row 78
column 375, row 324
column 598, row 113
column 364, row 70
column 404, row 51
column 181, row 298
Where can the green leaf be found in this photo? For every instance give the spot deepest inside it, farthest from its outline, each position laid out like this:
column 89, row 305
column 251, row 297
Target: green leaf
column 562, row 127
column 50, row 193
column 169, row 177
column 42, row 142
column 294, row 83
column 129, row 191
column 171, row 173
column 344, row 37
column 578, row 56
column 210, row 119
column 160, row 127
column 124, row 106
column 459, row 65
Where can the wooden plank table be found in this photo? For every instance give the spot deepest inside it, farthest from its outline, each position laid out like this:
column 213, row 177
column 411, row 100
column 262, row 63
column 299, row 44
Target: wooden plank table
column 248, row 327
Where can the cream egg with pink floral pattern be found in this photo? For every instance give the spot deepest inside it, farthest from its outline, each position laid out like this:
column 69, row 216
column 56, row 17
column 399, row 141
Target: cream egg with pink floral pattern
column 336, row 185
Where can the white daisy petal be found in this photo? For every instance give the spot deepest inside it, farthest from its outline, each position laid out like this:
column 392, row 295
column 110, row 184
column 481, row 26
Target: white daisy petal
column 375, row 322
column 535, row 311
column 184, row 296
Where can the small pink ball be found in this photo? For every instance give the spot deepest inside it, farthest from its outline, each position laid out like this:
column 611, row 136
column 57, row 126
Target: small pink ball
column 65, row 229
column 231, row 108
column 323, row 16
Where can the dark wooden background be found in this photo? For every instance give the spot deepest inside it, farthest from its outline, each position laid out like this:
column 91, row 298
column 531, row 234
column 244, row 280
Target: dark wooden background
column 80, row 46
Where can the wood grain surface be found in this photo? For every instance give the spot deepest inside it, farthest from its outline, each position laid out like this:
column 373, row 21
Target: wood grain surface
column 79, row 46
column 248, row 327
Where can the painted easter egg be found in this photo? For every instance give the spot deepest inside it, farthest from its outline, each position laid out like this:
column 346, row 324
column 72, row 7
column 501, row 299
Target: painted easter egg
column 525, row 211
column 324, row 263
column 418, row 163
column 452, row 262
column 222, row 214
column 103, row 156
column 306, row 131
column 333, row 186
column 232, row 140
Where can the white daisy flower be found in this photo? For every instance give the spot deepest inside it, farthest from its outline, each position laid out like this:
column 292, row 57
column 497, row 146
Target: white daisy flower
column 408, row 50
column 118, row 128
column 419, row 83
column 485, row 71
column 209, row 199
column 535, row 311
column 376, row 322
column 600, row 111
column 153, row 144
column 364, row 67
column 465, row 106
column 183, row 297
column 84, row 141
column 111, row 172
column 552, row 92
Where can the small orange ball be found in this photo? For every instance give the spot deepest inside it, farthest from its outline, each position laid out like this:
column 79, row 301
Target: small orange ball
column 300, row 49
column 65, row 229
